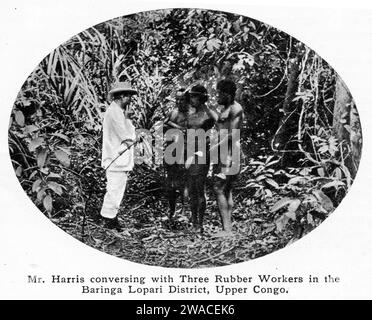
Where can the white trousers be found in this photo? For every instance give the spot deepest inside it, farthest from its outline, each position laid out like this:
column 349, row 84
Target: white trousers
column 115, row 188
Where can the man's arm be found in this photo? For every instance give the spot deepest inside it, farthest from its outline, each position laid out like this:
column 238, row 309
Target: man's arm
column 212, row 114
column 122, row 128
column 175, row 125
column 236, row 118
column 170, row 120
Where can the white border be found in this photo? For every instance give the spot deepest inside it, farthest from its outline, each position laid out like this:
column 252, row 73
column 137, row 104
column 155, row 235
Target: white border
column 341, row 32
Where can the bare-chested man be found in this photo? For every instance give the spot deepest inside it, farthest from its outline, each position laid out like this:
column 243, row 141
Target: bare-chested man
column 176, row 174
column 230, row 119
column 200, row 117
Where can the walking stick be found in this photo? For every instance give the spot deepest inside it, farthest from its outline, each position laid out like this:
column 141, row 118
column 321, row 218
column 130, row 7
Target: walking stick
column 125, row 150
column 128, row 147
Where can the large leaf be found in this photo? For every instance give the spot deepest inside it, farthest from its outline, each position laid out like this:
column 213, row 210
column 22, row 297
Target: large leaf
column 31, row 128
column 66, row 150
column 62, row 157
column 310, row 219
column 62, row 136
column 280, row 204
column 33, row 174
column 213, row 44
column 56, row 187
column 273, row 183
column 291, row 215
column 334, row 183
column 200, row 43
column 281, row 222
column 261, row 177
column 41, row 194
column 47, row 202
column 19, row 117
column 268, row 193
column 53, row 175
column 19, row 171
column 321, row 172
column 270, row 163
column 41, row 157
column 297, row 180
column 35, row 143
column 337, row 173
column 257, row 36
column 36, row 185
column 239, row 66
column 324, row 200
column 292, row 208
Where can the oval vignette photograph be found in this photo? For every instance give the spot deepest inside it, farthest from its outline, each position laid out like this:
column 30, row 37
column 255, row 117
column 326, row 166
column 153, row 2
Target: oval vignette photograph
column 185, row 138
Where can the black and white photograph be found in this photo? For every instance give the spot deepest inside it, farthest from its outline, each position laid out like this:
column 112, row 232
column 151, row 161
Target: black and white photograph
column 185, row 138
column 183, row 151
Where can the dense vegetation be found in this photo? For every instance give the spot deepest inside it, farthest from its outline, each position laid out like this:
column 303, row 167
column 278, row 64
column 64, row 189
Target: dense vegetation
column 301, row 137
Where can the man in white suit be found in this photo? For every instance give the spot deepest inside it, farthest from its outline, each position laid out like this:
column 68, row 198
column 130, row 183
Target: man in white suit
column 117, row 151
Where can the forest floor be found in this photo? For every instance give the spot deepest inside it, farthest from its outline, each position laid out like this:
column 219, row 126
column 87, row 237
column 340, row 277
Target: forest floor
column 149, row 237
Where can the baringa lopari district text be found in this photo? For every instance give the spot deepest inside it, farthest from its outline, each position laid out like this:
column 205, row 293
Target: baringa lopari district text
column 183, row 284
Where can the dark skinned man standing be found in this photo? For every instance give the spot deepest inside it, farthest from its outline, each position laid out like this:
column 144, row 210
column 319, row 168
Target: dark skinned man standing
column 200, row 119
column 229, row 121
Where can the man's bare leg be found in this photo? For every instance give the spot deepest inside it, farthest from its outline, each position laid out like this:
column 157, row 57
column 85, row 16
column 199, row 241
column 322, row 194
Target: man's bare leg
column 172, row 198
column 230, row 206
column 224, row 209
column 184, row 197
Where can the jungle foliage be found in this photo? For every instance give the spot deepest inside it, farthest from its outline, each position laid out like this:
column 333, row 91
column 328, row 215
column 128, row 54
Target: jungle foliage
column 301, row 137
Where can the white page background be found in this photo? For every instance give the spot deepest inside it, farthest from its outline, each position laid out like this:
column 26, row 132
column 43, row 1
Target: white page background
column 339, row 31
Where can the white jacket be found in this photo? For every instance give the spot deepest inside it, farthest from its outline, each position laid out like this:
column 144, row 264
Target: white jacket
column 116, row 129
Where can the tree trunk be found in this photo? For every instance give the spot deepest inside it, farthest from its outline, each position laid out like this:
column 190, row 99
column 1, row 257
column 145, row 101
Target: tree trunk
column 288, row 123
